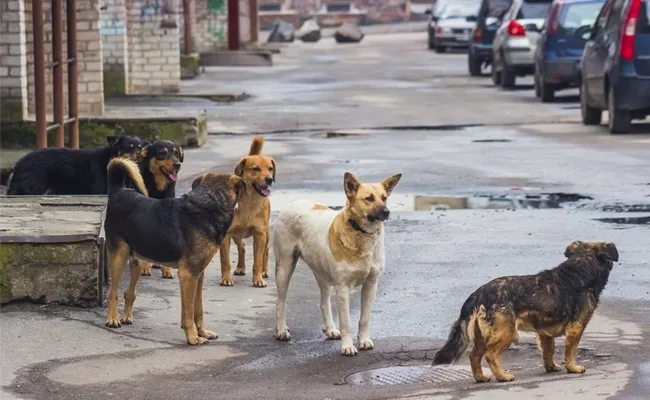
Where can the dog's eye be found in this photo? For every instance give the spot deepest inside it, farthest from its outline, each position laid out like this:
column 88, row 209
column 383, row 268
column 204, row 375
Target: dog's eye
column 139, row 146
column 257, row 169
column 370, row 198
column 270, row 169
column 131, row 146
column 383, row 198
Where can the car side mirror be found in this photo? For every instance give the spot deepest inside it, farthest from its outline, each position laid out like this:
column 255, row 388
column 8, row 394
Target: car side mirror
column 471, row 18
column 435, row 18
column 585, row 32
column 427, row 11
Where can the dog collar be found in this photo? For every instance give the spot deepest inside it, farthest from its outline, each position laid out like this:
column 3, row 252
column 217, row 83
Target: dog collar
column 355, row 225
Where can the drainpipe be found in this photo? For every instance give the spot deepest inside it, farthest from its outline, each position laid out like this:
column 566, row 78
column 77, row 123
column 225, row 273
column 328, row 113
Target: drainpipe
column 233, row 24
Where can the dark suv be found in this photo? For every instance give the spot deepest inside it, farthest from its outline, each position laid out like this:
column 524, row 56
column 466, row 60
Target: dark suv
column 480, row 48
column 615, row 65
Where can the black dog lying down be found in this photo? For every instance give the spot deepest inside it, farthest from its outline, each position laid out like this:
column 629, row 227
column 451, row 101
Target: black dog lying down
column 183, row 233
column 63, row 171
column 555, row 302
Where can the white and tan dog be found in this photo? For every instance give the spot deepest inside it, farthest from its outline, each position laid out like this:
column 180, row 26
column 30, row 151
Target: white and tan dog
column 343, row 249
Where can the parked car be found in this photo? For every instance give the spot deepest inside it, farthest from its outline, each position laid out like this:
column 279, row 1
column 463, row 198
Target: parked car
column 434, row 15
column 455, row 25
column 559, row 50
column 480, row 49
column 516, row 39
column 615, row 65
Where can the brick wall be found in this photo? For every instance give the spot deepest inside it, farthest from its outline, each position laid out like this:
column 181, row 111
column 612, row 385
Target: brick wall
column 13, row 71
column 113, row 29
column 211, row 24
column 89, row 54
column 153, row 48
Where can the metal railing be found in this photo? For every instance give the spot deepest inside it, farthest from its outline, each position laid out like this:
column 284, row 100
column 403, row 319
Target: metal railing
column 57, row 73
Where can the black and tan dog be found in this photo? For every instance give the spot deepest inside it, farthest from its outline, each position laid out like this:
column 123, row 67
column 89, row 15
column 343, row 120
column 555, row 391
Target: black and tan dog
column 555, row 302
column 252, row 217
column 183, row 233
column 62, row 171
column 159, row 165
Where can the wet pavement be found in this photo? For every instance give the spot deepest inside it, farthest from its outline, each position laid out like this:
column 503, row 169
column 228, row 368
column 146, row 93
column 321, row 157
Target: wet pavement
column 502, row 197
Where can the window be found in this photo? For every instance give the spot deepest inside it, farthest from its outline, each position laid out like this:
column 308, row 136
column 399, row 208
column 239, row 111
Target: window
column 534, row 10
column 644, row 18
column 573, row 16
column 601, row 22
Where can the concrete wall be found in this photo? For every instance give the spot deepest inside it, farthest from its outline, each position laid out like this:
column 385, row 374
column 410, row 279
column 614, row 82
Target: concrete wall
column 153, row 50
column 13, row 68
column 89, row 63
column 211, row 24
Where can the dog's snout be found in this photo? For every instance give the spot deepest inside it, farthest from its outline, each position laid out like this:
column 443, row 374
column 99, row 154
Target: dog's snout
column 268, row 180
column 177, row 165
column 382, row 213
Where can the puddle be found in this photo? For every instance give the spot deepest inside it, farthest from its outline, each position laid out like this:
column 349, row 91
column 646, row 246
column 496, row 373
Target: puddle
column 626, row 220
column 411, row 202
column 491, row 141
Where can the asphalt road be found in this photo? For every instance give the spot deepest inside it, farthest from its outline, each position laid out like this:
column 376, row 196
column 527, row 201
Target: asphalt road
column 416, row 108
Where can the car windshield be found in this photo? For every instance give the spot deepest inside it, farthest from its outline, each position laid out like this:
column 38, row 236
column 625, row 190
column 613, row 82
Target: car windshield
column 496, row 8
column 580, row 14
column 459, row 11
column 536, row 10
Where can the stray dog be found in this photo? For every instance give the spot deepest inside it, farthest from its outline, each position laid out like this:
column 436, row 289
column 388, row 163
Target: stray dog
column 159, row 165
column 183, row 233
column 252, row 218
column 343, row 249
column 62, row 171
column 552, row 303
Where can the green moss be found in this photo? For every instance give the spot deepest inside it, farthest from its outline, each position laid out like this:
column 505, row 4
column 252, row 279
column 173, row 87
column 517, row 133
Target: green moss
column 114, row 83
column 93, row 132
column 11, row 110
column 190, row 65
column 5, row 277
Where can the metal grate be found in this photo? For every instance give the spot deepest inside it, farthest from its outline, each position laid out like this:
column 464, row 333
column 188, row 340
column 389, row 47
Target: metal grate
column 400, row 375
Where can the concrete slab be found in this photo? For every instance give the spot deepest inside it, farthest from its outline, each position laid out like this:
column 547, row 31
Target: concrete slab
column 237, row 58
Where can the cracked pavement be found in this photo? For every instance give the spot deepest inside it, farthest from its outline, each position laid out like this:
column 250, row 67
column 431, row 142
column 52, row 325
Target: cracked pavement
column 434, row 258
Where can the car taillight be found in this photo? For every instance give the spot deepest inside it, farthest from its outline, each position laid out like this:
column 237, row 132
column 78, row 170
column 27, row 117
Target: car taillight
column 438, row 30
column 515, row 29
column 553, row 17
column 628, row 34
column 478, row 35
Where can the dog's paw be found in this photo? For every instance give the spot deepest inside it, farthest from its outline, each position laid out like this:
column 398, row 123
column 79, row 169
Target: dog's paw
column 113, row 322
column 166, row 273
column 283, row 334
column 260, row 283
column 226, row 282
column 575, row 369
column 482, row 379
column 265, row 274
column 552, row 368
column 145, row 270
column 332, row 334
column 366, row 344
column 196, row 340
column 127, row 319
column 505, row 378
column 208, row 334
column 349, row 351
column 240, row 272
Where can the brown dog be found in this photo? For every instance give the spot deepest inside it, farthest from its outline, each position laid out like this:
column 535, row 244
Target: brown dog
column 555, row 302
column 183, row 233
column 252, row 218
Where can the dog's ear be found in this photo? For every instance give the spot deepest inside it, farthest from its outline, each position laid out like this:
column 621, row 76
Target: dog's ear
column 573, row 248
column 390, row 183
column 239, row 184
column 274, row 168
column 239, row 169
column 112, row 140
column 608, row 251
column 197, row 181
column 350, row 185
column 181, row 153
column 144, row 151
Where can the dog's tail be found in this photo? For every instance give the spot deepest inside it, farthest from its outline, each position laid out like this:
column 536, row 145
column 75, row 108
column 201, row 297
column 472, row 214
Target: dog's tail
column 123, row 173
column 256, row 146
column 462, row 333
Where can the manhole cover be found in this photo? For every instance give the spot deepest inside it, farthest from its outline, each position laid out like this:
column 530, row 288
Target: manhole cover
column 401, row 375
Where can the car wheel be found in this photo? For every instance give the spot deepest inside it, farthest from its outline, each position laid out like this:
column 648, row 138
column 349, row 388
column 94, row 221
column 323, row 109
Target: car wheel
column 620, row 121
column 590, row 115
column 440, row 49
column 474, row 65
column 507, row 77
column 546, row 91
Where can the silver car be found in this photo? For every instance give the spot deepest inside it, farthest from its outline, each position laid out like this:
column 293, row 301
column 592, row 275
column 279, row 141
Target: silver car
column 516, row 40
column 455, row 25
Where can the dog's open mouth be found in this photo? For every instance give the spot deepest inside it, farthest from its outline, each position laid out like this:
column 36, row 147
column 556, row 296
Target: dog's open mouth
column 263, row 190
column 171, row 175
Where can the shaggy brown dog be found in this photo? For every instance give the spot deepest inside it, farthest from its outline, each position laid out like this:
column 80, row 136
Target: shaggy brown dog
column 552, row 303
